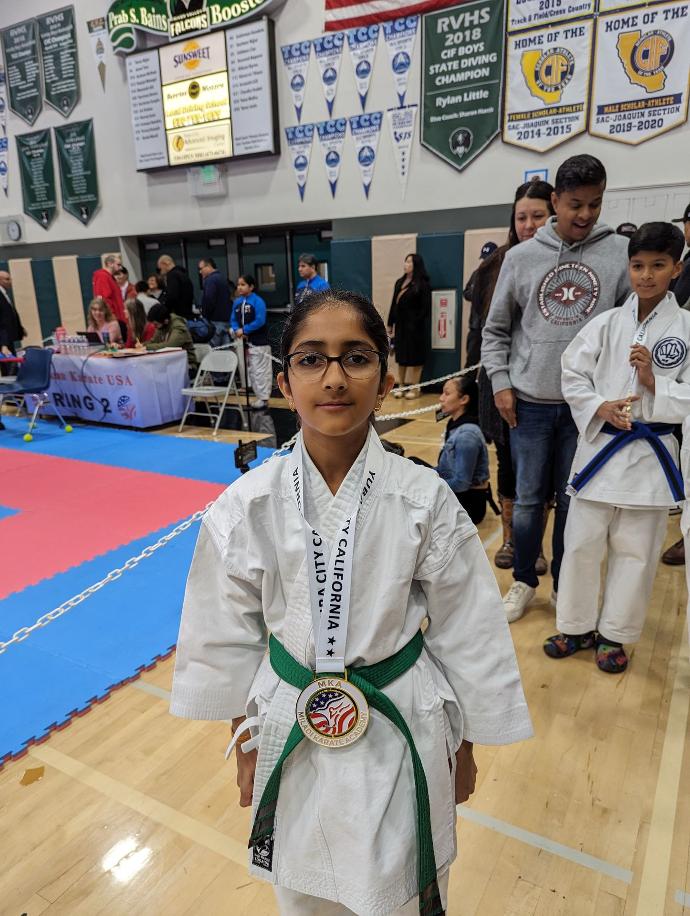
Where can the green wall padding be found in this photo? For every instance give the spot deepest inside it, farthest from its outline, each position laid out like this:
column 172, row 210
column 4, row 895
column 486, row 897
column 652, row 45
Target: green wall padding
column 86, row 267
column 46, row 295
column 443, row 256
column 351, row 265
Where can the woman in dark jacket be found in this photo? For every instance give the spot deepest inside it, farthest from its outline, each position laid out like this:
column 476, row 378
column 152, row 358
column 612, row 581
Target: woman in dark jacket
column 409, row 323
column 531, row 208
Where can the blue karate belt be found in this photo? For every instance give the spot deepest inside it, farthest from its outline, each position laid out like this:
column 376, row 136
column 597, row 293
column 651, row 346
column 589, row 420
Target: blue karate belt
column 622, row 437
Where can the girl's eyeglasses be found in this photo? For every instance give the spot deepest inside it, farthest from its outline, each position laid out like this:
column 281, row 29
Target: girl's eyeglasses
column 356, row 364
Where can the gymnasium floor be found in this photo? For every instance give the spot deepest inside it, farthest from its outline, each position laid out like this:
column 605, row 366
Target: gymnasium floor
column 130, row 811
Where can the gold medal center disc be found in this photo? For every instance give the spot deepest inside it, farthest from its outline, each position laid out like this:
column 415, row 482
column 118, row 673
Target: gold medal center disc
column 332, row 712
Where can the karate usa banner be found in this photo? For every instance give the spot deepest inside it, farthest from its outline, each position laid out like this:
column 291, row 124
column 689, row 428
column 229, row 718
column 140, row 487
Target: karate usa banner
column 640, row 85
column 547, row 85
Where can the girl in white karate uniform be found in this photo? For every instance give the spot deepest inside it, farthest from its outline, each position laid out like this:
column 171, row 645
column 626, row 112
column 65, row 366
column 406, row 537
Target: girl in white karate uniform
column 364, row 727
column 626, row 377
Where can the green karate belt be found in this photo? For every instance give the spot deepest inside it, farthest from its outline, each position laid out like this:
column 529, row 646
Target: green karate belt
column 370, row 679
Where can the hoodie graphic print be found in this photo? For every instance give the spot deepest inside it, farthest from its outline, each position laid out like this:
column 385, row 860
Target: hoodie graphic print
column 546, row 292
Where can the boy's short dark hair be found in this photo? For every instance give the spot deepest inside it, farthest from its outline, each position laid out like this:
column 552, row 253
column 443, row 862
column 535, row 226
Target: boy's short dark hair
column 159, row 312
column 308, row 259
column 664, row 238
column 579, row 171
column 141, row 286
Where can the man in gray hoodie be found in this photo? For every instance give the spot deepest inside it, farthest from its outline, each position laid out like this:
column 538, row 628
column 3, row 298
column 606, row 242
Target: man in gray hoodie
column 549, row 287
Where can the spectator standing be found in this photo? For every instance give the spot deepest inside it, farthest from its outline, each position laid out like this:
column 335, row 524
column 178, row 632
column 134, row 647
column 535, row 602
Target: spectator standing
column 488, row 249
column 249, row 324
column 106, row 286
column 179, row 292
column 154, row 286
column 127, row 289
column 171, row 331
column 311, row 281
column 549, row 287
column 681, row 287
column 216, row 301
column 409, row 323
column 101, row 319
column 11, row 329
column 144, row 296
column 531, row 209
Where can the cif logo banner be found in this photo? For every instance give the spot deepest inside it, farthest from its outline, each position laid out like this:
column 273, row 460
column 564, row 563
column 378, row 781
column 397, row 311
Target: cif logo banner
column 299, row 141
column 400, row 35
column 365, row 130
column 331, row 137
column 328, row 50
column 363, row 43
column 641, row 69
column 296, row 60
column 401, row 122
column 529, row 14
column 547, row 85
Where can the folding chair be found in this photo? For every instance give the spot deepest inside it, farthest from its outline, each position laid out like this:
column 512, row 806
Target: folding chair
column 214, row 397
column 34, row 378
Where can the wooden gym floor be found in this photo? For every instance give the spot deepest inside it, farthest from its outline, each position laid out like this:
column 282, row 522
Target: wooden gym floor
column 130, row 811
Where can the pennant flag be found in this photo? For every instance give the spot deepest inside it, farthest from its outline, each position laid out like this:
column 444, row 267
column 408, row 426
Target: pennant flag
column 363, row 43
column 331, row 138
column 365, row 130
column 4, row 167
column 296, row 60
column 328, row 50
column 98, row 34
column 400, row 36
column 401, row 122
column 299, row 140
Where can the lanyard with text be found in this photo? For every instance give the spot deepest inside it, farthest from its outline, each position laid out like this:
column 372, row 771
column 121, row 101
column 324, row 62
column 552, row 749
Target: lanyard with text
column 330, row 570
column 639, row 338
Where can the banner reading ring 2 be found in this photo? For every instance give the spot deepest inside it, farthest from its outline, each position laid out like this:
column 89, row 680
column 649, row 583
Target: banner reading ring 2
column 332, row 712
column 568, row 294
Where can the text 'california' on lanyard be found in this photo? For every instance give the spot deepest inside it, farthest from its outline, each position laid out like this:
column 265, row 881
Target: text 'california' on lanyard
column 330, row 570
column 639, row 339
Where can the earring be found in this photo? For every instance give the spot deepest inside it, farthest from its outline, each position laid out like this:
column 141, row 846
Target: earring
column 291, row 405
column 378, row 405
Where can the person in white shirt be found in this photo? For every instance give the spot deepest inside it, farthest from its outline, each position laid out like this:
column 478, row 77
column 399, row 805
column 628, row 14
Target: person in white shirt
column 626, row 378
column 341, row 551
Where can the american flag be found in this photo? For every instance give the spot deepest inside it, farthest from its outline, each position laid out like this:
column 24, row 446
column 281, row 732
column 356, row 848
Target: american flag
column 332, row 713
column 351, row 14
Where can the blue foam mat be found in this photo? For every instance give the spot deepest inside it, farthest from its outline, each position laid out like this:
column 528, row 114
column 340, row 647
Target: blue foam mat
column 194, row 459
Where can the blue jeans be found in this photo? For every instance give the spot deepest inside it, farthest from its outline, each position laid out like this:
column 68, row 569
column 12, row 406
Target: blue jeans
column 543, row 447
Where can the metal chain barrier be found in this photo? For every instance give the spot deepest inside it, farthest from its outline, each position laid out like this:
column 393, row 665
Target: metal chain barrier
column 24, row 632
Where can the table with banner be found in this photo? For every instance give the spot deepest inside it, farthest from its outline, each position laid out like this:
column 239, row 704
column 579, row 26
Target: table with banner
column 137, row 391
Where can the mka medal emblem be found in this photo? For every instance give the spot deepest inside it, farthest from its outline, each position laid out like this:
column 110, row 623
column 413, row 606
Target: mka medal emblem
column 332, row 712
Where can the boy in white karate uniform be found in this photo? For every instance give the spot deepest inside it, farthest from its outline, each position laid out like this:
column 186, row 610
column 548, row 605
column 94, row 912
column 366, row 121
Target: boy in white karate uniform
column 626, row 377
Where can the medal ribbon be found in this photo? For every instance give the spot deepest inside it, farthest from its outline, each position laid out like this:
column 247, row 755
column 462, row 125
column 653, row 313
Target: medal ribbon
column 330, row 570
column 639, row 338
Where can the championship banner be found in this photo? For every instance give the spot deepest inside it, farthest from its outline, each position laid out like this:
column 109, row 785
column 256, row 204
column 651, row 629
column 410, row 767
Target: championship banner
column 401, row 124
column 363, row 43
column 462, row 72
column 640, row 83
column 365, row 130
column 400, row 37
column 296, row 60
column 77, row 162
column 23, row 73
column 328, row 50
column 530, row 14
column 4, row 163
column 547, row 85
column 176, row 19
column 98, row 34
column 58, row 38
column 300, row 139
column 331, row 138
column 37, row 174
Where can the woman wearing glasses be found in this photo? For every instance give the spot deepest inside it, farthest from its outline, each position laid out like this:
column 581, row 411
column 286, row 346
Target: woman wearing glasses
column 364, row 726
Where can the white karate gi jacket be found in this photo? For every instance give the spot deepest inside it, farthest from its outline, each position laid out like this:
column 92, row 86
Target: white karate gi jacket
column 596, row 368
column 346, row 818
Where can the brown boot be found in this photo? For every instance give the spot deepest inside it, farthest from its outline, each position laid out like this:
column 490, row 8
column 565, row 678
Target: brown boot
column 504, row 554
column 675, row 555
column 541, row 567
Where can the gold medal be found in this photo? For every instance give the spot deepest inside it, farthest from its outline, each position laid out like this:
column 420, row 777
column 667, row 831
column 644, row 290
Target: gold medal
column 332, row 712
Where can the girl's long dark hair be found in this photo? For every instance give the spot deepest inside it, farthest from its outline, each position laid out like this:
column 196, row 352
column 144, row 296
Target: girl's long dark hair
column 419, row 275
column 372, row 323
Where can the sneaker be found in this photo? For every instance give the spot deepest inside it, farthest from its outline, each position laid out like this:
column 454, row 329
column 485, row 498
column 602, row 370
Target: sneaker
column 412, row 394
column 561, row 645
column 258, row 403
column 611, row 656
column 397, row 393
column 516, row 600
column 553, row 598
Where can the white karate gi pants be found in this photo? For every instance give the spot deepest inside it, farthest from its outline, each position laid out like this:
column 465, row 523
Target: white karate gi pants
column 260, row 371
column 292, row 903
column 631, row 540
